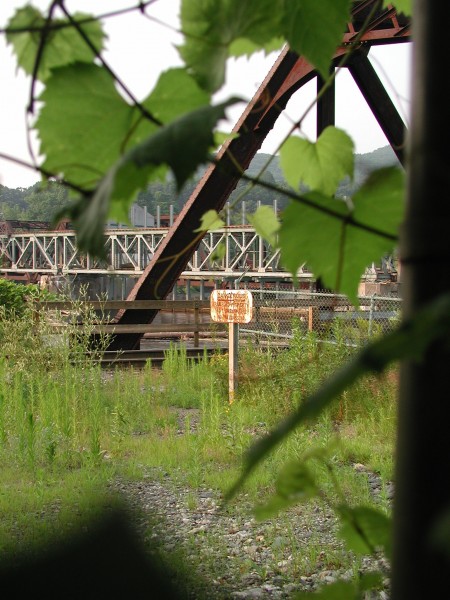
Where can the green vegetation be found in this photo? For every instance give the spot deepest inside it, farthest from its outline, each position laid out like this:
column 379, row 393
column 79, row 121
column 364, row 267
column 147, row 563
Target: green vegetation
column 141, row 141
column 16, row 299
column 68, row 430
column 42, row 201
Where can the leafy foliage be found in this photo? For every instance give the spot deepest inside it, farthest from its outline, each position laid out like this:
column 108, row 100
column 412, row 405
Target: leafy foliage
column 329, row 235
column 266, row 223
column 212, row 27
column 365, row 530
column 14, row 296
column 321, row 165
column 192, row 132
column 216, row 30
column 210, row 221
column 109, row 150
column 404, row 6
column 79, row 100
column 62, row 45
column 317, row 41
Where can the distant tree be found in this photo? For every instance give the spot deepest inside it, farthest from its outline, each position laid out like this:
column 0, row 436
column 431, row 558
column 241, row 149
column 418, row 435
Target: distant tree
column 45, row 200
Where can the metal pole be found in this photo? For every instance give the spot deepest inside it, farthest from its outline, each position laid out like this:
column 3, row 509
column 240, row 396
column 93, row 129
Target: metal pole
column 233, row 347
column 420, row 565
column 369, row 333
column 233, row 350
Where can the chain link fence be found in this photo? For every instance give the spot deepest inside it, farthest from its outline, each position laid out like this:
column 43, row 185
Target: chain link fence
column 331, row 317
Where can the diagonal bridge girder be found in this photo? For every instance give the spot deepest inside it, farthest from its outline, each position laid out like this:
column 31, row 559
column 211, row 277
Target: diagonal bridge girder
column 289, row 73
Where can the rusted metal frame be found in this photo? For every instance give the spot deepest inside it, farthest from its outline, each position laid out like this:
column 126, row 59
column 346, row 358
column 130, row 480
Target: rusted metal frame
column 326, row 105
column 289, row 73
column 379, row 101
column 373, row 32
column 387, row 15
column 381, row 36
column 130, row 305
column 326, row 116
column 360, row 6
column 361, row 11
column 211, row 193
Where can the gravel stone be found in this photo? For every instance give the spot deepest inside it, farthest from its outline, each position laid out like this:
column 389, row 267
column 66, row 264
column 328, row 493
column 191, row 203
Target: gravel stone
column 242, row 558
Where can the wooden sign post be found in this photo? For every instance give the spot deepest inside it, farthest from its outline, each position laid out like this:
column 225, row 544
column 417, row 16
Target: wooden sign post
column 232, row 307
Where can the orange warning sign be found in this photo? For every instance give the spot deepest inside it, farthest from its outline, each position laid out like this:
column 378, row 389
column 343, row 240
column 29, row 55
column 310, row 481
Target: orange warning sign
column 231, row 306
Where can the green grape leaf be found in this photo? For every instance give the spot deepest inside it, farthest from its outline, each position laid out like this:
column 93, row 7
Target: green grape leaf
column 321, row 165
column 219, row 252
column 380, row 201
column 404, row 6
column 216, row 29
column 338, row 250
column 165, row 103
column 314, row 29
column 210, row 221
column 371, row 580
column 365, row 530
column 337, row 590
column 175, row 93
column 266, row 224
column 63, row 46
column 123, row 194
column 211, row 27
column 308, row 235
column 83, row 123
column 245, row 47
column 183, row 145
column 88, row 215
column 295, row 483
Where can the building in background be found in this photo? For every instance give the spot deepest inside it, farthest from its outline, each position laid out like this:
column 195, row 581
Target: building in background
column 139, row 217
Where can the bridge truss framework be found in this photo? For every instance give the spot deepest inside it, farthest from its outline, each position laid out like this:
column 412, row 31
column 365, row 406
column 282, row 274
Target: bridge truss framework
column 130, row 251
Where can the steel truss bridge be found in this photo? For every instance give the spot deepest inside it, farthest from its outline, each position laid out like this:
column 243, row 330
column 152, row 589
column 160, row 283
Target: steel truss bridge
column 175, row 254
column 228, row 252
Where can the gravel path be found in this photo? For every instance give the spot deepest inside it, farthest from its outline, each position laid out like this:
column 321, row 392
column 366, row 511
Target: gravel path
column 238, row 557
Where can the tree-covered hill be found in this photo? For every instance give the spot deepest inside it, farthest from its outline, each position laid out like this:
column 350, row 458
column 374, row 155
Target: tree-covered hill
column 40, row 202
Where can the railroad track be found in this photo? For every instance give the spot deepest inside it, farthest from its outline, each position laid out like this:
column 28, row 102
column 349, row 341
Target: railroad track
column 156, row 356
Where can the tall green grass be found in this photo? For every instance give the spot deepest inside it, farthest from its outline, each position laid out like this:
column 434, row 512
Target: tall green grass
column 62, row 417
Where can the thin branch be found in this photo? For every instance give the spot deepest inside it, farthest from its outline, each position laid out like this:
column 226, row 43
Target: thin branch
column 39, row 54
column 298, row 124
column 47, row 174
column 348, row 219
column 328, row 82
column 82, row 21
column 105, row 65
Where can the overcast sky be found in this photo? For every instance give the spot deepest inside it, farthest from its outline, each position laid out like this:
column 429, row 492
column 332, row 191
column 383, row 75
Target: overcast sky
column 138, row 49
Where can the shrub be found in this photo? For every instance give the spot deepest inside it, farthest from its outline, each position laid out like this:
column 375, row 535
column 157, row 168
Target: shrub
column 14, row 296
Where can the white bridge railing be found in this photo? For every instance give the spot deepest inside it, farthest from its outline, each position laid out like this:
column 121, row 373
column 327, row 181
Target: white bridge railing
column 129, row 251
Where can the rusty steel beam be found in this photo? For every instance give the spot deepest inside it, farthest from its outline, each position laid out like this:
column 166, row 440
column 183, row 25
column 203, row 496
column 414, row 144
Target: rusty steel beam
column 379, row 101
column 289, row 73
column 326, row 105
